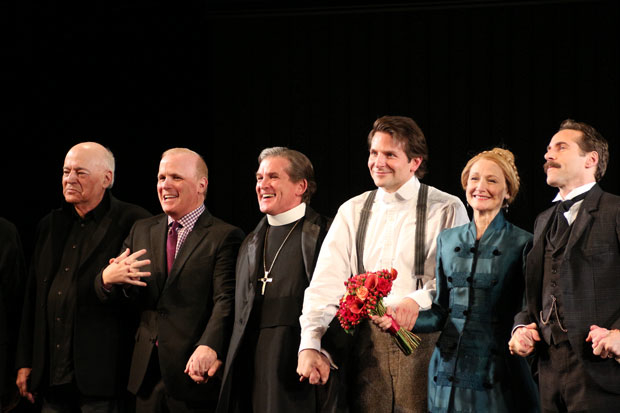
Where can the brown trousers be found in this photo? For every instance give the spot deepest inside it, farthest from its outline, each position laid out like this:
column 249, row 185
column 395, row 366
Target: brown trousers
column 383, row 379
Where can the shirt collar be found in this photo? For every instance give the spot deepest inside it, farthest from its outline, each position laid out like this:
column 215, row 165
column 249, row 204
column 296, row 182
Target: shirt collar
column 577, row 191
column 287, row 217
column 189, row 220
column 409, row 190
column 95, row 214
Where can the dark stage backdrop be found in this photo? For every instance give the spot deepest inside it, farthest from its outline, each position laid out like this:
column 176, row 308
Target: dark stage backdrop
column 229, row 78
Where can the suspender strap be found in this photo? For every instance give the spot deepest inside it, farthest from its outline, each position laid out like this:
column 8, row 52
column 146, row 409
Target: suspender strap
column 360, row 236
column 420, row 235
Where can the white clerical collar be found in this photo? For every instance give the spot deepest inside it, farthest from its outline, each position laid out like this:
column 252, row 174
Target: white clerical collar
column 577, row 191
column 287, row 217
column 407, row 191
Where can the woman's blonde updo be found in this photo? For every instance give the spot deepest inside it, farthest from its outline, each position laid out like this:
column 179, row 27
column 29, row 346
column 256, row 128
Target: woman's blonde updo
column 506, row 161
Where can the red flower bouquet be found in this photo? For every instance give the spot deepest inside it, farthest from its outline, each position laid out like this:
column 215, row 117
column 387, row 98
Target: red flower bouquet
column 364, row 298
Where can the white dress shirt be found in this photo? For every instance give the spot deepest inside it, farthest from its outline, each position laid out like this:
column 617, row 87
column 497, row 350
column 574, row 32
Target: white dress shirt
column 571, row 214
column 389, row 243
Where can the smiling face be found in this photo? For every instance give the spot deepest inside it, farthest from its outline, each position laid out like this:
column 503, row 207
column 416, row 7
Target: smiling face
column 85, row 177
column 275, row 191
column 486, row 189
column 567, row 166
column 179, row 188
column 388, row 163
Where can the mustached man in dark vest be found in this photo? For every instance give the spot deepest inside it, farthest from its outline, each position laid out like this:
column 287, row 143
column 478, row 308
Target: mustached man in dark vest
column 184, row 289
column 383, row 379
column 73, row 350
column 274, row 268
column 572, row 289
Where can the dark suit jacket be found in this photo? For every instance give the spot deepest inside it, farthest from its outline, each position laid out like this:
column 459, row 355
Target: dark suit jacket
column 101, row 334
column 590, row 279
column 191, row 306
column 314, row 230
column 12, row 281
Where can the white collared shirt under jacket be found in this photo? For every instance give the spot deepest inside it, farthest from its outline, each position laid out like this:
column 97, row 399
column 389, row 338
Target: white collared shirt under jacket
column 389, row 243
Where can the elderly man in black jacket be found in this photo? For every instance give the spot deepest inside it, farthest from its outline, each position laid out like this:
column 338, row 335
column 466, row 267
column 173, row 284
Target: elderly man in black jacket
column 74, row 350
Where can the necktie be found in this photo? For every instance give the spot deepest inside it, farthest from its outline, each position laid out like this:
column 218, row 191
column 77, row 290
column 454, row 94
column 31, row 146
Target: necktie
column 171, row 244
column 560, row 224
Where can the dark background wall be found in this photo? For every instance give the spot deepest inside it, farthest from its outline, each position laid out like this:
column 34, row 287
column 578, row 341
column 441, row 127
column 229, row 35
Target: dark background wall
column 228, row 78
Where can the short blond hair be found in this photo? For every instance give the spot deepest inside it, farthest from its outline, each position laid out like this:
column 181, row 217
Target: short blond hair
column 201, row 166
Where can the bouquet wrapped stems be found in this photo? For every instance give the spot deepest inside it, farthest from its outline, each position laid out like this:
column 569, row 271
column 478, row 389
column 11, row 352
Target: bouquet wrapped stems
column 404, row 339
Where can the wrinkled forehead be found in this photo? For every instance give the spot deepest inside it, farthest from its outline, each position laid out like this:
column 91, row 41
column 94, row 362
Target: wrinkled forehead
column 84, row 158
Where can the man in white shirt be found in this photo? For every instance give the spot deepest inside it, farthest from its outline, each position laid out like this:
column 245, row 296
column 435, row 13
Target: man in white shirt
column 384, row 380
column 572, row 291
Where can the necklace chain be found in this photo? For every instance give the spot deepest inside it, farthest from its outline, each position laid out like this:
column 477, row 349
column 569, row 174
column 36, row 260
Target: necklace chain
column 266, row 279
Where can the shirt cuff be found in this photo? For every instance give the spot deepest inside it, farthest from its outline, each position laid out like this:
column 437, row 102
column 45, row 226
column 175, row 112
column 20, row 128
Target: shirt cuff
column 310, row 340
column 515, row 327
column 423, row 298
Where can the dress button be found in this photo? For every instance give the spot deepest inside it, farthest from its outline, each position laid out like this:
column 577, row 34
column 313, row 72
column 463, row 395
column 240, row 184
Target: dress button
column 472, row 249
column 457, row 249
column 465, row 312
column 435, row 379
column 59, row 292
column 469, row 279
column 553, row 284
column 496, row 252
column 450, row 279
column 66, row 269
column 451, row 378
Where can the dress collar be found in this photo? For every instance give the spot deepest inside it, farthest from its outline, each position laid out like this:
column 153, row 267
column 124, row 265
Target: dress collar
column 287, row 217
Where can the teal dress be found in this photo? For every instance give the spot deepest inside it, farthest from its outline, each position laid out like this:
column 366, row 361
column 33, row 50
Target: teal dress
column 480, row 288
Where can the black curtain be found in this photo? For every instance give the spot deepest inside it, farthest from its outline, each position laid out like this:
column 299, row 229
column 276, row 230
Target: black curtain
column 228, row 79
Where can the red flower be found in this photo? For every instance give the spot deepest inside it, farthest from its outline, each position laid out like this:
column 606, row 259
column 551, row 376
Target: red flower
column 384, row 286
column 356, row 305
column 371, row 281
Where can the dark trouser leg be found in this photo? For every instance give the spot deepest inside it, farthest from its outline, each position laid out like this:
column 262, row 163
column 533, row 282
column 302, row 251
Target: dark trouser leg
column 565, row 385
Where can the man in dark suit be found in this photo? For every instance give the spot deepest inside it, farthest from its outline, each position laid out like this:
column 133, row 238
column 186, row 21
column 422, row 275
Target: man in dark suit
column 572, row 278
column 72, row 348
column 274, row 268
column 12, row 280
column 184, row 290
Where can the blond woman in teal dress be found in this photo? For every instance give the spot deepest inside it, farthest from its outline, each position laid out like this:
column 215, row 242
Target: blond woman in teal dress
column 480, row 283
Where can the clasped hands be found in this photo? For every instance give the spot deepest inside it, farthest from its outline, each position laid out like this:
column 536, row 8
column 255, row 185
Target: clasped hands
column 125, row 269
column 605, row 343
column 314, row 366
column 203, row 364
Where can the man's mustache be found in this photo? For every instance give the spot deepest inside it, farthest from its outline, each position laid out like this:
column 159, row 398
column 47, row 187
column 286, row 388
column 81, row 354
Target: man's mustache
column 550, row 164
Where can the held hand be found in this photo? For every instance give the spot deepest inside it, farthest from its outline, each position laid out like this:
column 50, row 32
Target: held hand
column 125, row 269
column 203, row 364
column 524, row 340
column 313, row 365
column 383, row 322
column 605, row 343
column 405, row 313
column 22, row 383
